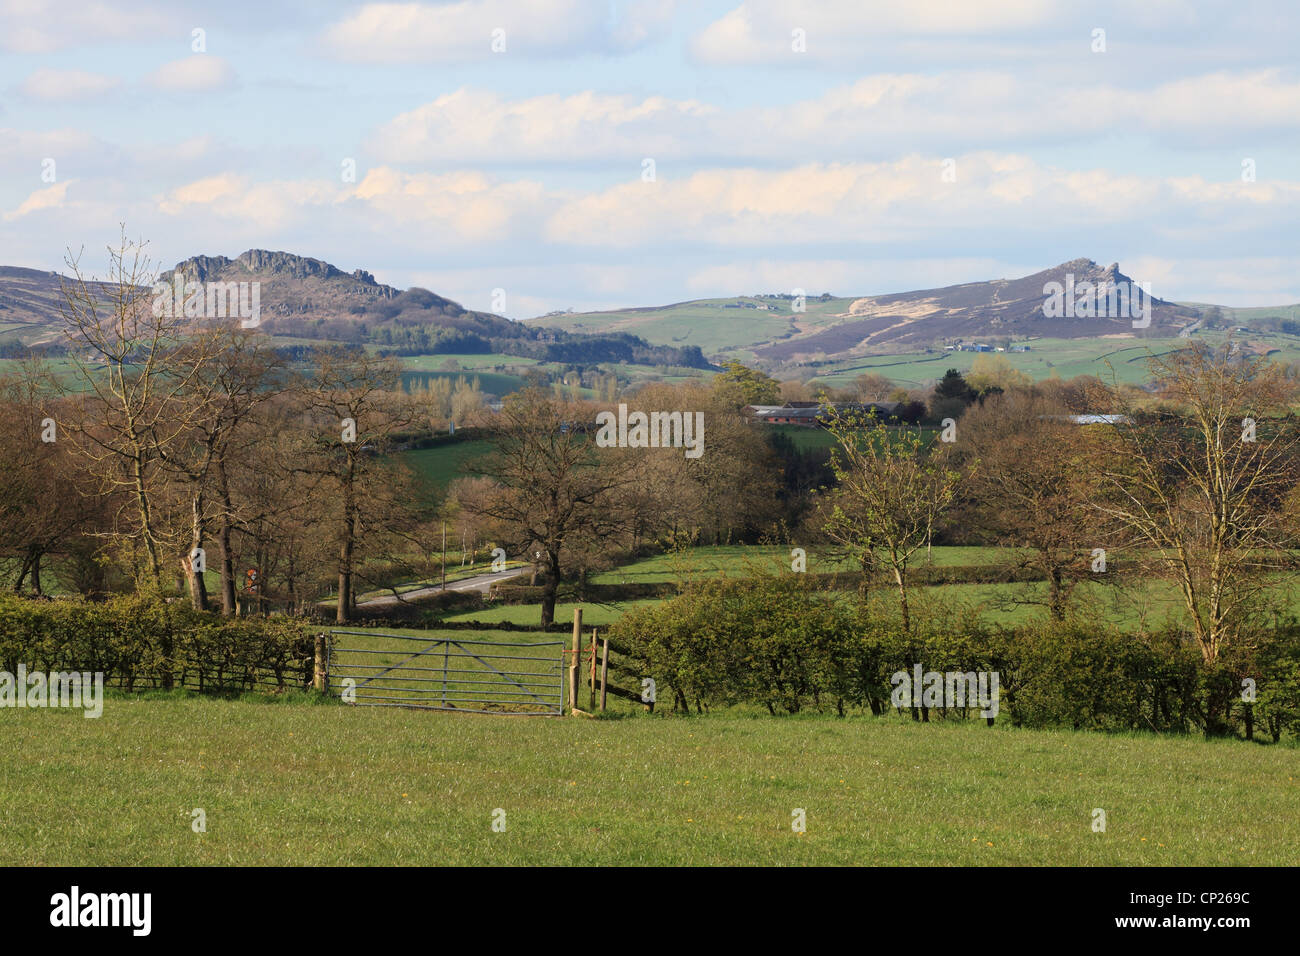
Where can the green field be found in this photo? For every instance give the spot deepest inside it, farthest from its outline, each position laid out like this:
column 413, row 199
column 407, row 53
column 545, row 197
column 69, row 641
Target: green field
column 442, row 465
column 715, row 325
column 286, row 784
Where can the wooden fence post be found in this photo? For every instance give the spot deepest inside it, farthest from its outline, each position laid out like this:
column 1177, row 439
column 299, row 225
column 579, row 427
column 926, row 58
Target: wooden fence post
column 319, row 679
column 604, row 671
column 576, row 657
column 591, row 700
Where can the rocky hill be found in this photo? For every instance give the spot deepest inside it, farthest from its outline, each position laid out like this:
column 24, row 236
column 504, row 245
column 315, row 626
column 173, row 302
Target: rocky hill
column 312, row 299
column 768, row 328
column 999, row 307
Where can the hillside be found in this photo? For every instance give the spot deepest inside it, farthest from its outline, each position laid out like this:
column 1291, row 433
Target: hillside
column 304, row 298
column 833, row 327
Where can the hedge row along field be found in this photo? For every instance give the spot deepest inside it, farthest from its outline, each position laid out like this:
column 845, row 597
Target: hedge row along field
column 780, row 643
column 139, row 643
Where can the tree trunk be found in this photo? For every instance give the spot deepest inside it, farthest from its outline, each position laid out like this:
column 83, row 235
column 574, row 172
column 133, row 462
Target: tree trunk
column 194, row 579
column 146, row 521
column 550, row 587
column 1055, row 602
column 549, row 590
column 223, row 539
column 346, row 601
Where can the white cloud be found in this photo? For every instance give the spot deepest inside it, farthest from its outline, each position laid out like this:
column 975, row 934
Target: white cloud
column 760, row 31
column 479, row 124
column 274, row 204
column 456, row 207
column 198, row 73
column 953, row 112
column 908, row 200
column 67, row 85
column 45, row 26
column 51, row 197
column 464, row 30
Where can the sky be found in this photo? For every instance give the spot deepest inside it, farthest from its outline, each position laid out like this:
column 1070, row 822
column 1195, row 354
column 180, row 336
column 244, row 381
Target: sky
column 538, row 155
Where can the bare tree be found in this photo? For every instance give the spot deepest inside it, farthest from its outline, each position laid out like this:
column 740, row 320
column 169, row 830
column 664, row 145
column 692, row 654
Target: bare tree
column 238, row 375
column 358, row 407
column 134, row 368
column 1034, row 486
column 42, row 509
column 892, row 484
column 555, row 488
column 1198, row 487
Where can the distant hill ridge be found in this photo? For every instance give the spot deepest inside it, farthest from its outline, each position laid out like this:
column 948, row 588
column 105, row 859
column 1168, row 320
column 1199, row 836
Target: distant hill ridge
column 310, row 298
column 769, row 329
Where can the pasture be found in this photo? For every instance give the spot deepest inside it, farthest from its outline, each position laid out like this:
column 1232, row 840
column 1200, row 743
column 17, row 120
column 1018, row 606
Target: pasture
column 291, row 783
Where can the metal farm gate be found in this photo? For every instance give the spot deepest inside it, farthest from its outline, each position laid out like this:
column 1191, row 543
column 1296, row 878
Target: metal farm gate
column 468, row 677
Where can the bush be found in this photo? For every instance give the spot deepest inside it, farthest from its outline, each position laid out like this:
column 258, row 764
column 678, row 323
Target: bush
column 138, row 643
column 779, row 642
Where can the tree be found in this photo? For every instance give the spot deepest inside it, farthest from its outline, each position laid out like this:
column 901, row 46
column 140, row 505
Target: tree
column 995, row 371
column 737, row 385
column 793, row 390
column 356, row 406
column 135, row 369
column 555, row 488
column 729, row 490
column 240, row 373
column 892, row 486
column 1034, row 485
column 952, row 396
column 1200, row 490
column 873, row 387
column 43, row 511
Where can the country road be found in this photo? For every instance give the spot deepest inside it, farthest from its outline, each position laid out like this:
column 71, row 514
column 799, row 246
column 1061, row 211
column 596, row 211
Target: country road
column 480, row 582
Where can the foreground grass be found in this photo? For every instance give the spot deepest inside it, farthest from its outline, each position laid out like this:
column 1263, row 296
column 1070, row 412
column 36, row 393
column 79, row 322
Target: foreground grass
column 322, row 785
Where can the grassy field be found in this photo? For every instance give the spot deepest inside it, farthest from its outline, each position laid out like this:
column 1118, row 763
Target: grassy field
column 597, row 614
column 1148, row 603
column 441, row 466
column 332, row 785
column 715, row 325
column 738, row 560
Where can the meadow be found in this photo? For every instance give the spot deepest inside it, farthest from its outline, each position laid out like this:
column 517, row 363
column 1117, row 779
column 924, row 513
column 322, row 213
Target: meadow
column 298, row 780
column 291, row 783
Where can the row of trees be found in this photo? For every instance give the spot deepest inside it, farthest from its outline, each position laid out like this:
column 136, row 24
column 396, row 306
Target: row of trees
column 549, row 492
column 172, row 448
column 1193, row 483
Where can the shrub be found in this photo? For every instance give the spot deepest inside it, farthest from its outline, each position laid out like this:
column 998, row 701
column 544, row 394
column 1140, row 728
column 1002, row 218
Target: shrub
column 780, row 642
column 138, row 642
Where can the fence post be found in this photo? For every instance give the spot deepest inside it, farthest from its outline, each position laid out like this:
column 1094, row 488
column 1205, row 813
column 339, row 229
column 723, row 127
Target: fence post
column 604, row 670
column 320, row 679
column 574, row 662
column 591, row 700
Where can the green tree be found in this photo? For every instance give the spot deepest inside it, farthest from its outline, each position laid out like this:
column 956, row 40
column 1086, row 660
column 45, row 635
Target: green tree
column 738, row 385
